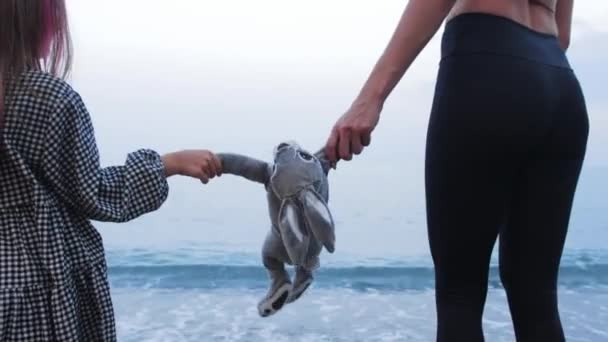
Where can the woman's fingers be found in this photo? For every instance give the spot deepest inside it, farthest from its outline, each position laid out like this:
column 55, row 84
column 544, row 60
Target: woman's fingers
column 366, row 139
column 356, row 143
column 344, row 144
column 331, row 147
column 352, row 133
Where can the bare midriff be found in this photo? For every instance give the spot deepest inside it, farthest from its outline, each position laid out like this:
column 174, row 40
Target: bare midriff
column 538, row 15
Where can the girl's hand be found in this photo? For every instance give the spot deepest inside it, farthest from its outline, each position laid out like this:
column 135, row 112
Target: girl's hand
column 201, row 164
column 352, row 132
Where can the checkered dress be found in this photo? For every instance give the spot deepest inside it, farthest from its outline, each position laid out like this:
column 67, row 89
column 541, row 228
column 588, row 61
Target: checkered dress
column 53, row 279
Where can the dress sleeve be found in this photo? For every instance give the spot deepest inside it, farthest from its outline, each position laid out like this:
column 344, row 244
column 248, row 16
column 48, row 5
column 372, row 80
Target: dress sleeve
column 72, row 171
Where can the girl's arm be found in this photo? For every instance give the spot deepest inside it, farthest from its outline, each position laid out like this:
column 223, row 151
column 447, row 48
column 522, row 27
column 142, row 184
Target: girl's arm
column 72, row 171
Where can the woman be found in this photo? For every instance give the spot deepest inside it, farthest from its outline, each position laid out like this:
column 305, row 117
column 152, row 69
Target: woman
column 506, row 140
column 53, row 280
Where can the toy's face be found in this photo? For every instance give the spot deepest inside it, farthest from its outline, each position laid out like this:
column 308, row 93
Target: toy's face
column 294, row 169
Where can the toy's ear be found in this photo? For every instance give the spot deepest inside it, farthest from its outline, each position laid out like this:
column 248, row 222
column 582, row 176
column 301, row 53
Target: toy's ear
column 324, row 161
column 319, row 219
column 296, row 238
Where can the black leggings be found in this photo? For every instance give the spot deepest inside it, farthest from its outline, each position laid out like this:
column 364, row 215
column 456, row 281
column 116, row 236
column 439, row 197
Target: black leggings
column 506, row 142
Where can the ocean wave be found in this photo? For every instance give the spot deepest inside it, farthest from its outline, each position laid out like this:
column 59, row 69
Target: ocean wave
column 237, row 256
column 375, row 278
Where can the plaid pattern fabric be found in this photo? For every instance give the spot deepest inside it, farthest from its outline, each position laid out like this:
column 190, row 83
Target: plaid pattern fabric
column 53, row 277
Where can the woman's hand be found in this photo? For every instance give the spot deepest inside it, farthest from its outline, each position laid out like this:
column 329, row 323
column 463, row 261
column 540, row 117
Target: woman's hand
column 201, row 164
column 352, row 132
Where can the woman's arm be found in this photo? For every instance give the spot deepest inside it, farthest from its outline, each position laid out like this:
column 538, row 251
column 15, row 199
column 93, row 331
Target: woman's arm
column 419, row 23
column 563, row 17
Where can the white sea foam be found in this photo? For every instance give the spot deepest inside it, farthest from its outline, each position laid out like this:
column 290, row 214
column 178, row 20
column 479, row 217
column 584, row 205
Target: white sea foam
column 335, row 315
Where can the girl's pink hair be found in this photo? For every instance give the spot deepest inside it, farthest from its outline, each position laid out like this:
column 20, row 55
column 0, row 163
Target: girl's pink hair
column 48, row 27
column 34, row 35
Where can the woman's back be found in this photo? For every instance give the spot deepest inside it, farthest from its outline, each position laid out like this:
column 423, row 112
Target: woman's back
column 538, row 15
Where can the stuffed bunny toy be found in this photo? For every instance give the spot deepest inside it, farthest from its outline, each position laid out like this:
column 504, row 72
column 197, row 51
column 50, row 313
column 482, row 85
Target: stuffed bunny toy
column 297, row 192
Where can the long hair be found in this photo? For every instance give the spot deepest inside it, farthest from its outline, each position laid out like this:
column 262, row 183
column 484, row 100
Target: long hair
column 34, row 35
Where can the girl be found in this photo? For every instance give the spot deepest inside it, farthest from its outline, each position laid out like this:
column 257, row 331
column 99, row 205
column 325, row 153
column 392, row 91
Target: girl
column 53, row 280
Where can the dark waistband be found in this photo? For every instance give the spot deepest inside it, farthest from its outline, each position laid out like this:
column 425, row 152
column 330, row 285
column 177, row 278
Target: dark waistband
column 480, row 33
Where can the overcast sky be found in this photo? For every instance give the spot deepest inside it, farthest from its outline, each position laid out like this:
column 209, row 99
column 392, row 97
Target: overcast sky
column 199, row 73
column 241, row 75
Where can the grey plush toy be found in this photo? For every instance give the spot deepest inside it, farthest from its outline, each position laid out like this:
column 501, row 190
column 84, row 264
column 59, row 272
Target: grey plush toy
column 297, row 192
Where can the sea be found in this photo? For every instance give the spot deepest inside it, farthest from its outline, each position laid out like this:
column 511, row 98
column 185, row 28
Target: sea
column 192, row 270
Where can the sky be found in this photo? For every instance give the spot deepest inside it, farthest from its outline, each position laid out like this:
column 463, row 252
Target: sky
column 241, row 76
column 226, row 66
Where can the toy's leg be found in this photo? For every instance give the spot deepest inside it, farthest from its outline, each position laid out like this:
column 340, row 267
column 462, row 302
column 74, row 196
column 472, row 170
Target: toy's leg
column 301, row 283
column 280, row 284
